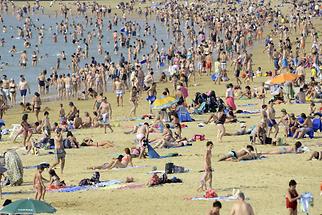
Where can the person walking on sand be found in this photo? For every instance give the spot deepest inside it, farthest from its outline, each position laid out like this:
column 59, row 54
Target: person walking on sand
column 207, row 177
column 118, row 88
column 241, row 207
column 59, row 150
column 105, row 111
column 36, row 104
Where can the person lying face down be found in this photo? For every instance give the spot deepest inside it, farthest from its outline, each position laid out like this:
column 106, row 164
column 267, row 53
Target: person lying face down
column 296, row 149
column 243, row 154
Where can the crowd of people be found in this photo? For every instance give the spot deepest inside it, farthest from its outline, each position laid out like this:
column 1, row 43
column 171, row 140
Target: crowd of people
column 112, row 52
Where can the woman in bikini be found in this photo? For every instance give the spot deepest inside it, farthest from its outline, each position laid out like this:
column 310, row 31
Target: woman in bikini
column 36, row 105
column 119, row 162
column 134, row 97
column 243, row 154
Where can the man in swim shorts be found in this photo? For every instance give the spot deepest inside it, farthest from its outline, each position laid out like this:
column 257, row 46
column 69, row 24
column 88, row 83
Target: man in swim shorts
column 118, row 88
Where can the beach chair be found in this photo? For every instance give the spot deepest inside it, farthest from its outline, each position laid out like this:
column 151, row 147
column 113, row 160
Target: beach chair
column 317, row 124
column 201, row 109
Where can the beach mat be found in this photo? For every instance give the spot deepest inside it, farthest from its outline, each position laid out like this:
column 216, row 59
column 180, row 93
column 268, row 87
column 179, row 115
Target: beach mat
column 124, row 186
column 72, row 189
column 219, row 198
column 154, row 155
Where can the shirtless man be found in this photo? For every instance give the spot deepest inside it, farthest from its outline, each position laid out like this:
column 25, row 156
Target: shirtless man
column 304, row 128
column 271, row 121
column 241, row 207
column 285, row 122
column 23, row 59
column 261, row 93
column 59, row 150
column 142, row 134
column 105, row 110
column 216, row 206
column 118, row 89
column 207, row 177
column 42, row 83
column 244, row 153
column 68, row 86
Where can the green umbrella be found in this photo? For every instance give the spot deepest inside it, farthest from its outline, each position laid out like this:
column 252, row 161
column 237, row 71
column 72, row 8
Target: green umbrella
column 28, row 206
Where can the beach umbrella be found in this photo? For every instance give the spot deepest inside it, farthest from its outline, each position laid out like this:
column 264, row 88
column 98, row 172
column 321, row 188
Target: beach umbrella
column 164, row 102
column 285, row 77
column 28, row 206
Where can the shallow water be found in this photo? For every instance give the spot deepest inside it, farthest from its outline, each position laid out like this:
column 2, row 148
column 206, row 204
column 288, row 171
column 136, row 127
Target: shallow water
column 13, row 70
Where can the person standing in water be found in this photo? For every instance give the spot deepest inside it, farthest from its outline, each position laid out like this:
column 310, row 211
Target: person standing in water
column 207, row 177
column 23, row 88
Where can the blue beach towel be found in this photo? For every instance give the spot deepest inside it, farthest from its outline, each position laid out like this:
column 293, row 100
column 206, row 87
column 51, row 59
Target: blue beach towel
column 154, row 155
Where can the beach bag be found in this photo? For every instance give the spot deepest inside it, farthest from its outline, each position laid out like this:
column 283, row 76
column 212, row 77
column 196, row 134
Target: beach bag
column 210, row 193
column 169, row 167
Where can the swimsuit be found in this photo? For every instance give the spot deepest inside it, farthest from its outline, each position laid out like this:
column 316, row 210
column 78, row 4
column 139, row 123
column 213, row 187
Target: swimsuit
column 119, row 93
column 60, row 154
column 233, row 154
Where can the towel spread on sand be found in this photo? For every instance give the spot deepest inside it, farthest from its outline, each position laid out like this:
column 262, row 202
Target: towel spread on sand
column 219, row 198
column 86, row 188
column 124, row 186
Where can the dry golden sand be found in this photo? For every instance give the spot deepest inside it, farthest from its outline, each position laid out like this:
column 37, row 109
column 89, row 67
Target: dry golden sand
column 264, row 182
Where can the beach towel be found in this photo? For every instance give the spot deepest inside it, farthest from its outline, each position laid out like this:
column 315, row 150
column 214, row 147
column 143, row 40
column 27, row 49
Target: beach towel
column 86, row 188
column 247, row 111
column 154, row 155
column 127, row 186
column 131, row 167
column 247, row 105
column 219, row 198
column 171, row 147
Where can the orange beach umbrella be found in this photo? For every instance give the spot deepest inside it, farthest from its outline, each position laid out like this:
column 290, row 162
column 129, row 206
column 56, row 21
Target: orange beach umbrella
column 285, row 77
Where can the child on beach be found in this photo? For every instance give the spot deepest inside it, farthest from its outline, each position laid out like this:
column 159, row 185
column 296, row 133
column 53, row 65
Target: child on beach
column 54, row 181
column 207, row 177
column 39, row 184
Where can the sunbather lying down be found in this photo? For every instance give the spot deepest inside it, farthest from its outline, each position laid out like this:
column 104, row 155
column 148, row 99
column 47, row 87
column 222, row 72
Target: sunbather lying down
column 296, row 149
column 119, row 162
column 316, row 155
column 103, row 144
column 247, row 153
